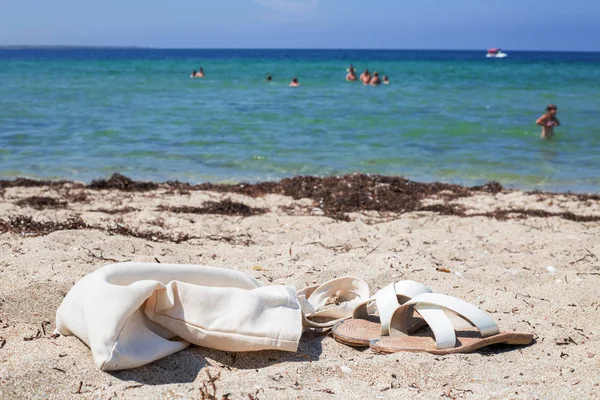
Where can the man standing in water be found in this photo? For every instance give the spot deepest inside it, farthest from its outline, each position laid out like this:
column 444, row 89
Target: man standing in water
column 365, row 77
column 351, row 76
column 548, row 121
column 375, row 81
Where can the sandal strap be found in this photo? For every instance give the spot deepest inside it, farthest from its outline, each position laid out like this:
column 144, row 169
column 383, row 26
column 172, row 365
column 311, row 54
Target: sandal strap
column 313, row 300
column 433, row 308
column 387, row 300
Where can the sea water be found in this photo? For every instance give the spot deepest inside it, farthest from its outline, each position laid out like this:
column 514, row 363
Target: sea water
column 451, row 116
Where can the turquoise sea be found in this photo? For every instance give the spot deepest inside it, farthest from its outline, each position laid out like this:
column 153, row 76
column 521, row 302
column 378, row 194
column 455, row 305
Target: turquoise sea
column 450, row 116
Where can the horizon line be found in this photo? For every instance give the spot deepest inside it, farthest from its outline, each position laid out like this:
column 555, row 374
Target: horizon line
column 135, row 47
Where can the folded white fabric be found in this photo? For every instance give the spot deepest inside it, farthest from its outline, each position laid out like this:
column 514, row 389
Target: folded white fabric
column 131, row 314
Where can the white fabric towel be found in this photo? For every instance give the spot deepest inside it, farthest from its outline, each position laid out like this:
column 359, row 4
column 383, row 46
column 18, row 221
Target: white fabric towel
column 131, row 314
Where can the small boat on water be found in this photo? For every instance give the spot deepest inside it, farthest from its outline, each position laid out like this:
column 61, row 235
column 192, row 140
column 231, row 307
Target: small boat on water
column 496, row 53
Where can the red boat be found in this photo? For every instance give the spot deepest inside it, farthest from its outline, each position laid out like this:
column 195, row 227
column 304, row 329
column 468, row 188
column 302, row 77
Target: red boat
column 496, row 53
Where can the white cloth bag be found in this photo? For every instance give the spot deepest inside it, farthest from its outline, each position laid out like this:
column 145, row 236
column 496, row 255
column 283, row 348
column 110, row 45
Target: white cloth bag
column 131, row 314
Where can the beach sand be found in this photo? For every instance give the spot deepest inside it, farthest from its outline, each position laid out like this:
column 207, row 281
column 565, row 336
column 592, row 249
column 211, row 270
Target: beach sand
column 529, row 259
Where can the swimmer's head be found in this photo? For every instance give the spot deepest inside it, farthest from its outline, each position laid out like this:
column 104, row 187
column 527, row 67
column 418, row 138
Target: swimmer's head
column 366, row 71
column 385, row 78
column 295, row 80
column 376, row 74
column 269, row 78
column 552, row 109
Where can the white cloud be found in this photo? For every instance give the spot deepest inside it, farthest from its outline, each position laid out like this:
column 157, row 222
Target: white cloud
column 290, row 6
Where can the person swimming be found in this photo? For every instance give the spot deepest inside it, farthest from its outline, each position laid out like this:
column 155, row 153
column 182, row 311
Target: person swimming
column 548, row 121
column 294, row 82
column 386, row 81
column 375, row 81
column 269, row 78
column 193, row 74
column 365, row 77
column 200, row 73
column 351, row 76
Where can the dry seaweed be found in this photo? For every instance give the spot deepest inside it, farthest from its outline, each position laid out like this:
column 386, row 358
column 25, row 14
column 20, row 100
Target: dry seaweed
column 490, row 187
column 24, row 225
column 352, row 193
column 503, row 215
column 339, row 195
column 445, row 209
column 208, row 390
column 248, row 189
column 121, row 182
column 224, row 207
column 113, row 211
column 578, row 196
column 41, row 203
column 79, row 197
column 147, row 235
column 335, row 196
column 523, row 213
column 26, row 182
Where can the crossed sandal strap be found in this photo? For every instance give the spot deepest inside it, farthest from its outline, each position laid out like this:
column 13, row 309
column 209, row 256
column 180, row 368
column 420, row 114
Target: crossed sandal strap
column 347, row 291
column 434, row 308
column 386, row 301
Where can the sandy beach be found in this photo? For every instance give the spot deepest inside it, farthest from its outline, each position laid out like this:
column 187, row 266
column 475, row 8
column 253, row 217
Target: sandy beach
column 531, row 260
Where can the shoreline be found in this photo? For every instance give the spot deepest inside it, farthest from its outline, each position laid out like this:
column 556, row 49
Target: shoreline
column 336, row 196
column 122, row 182
column 529, row 260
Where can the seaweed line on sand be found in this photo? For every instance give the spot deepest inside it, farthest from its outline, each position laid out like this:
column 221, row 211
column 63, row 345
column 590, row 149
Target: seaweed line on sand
column 224, row 207
column 336, row 196
column 26, row 226
column 41, row 203
column 503, row 215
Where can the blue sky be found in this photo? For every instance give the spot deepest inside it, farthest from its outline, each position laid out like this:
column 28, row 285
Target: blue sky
column 421, row 24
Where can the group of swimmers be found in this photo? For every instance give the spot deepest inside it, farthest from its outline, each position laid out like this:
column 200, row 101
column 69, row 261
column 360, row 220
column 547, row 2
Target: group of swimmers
column 200, row 74
column 366, row 78
column 547, row 121
column 293, row 83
